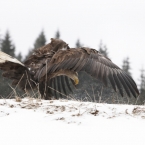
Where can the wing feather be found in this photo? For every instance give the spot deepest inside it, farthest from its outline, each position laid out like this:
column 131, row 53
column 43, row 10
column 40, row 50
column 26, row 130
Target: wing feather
column 63, row 85
column 133, row 84
column 125, row 84
column 130, row 85
column 104, row 75
column 119, row 86
column 68, row 84
column 111, row 78
column 55, row 88
column 59, row 85
column 95, row 64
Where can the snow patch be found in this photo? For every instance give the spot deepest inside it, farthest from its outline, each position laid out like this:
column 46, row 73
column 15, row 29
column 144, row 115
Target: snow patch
column 64, row 122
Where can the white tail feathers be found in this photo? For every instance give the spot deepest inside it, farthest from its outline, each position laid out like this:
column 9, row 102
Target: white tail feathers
column 5, row 58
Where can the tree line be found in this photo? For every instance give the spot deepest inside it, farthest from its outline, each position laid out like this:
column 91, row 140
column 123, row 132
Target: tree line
column 94, row 91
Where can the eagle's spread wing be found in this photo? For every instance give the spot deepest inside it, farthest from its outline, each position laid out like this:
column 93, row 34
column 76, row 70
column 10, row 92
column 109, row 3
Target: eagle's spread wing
column 55, row 65
column 95, row 64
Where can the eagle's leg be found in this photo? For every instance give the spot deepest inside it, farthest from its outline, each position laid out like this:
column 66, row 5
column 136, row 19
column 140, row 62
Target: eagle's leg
column 41, row 90
column 47, row 96
column 47, row 93
column 44, row 91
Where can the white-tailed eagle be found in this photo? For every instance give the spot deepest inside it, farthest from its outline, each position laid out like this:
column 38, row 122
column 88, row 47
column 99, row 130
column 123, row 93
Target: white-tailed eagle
column 55, row 59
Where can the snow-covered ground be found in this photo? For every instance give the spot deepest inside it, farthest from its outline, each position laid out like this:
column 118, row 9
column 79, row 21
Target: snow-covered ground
column 63, row 122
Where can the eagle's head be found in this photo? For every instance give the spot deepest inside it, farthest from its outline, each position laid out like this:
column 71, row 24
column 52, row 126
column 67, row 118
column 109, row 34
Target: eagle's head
column 58, row 44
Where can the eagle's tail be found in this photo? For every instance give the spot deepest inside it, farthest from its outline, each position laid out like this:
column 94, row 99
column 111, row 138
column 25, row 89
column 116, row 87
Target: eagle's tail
column 16, row 71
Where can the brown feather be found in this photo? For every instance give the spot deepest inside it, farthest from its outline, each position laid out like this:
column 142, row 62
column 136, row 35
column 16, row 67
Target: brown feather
column 55, row 63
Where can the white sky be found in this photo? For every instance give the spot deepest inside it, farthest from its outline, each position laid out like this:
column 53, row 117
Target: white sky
column 119, row 23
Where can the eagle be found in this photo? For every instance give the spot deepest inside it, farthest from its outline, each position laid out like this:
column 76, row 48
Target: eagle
column 56, row 65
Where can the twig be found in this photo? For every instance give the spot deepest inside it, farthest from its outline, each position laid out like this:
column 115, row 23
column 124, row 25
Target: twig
column 88, row 95
column 93, row 93
column 30, row 84
column 100, row 96
column 57, row 91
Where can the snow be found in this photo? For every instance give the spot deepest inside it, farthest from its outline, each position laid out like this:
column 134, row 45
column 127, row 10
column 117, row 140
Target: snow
column 40, row 122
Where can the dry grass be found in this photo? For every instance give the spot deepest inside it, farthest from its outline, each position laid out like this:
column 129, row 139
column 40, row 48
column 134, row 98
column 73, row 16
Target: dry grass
column 36, row 94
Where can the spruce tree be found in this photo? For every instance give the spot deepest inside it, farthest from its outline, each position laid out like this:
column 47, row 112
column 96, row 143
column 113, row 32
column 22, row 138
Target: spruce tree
column 142, row 87
column 8, row 47
column 103, row 49
column 19, row 57
column 57, row 34
column 39, row 42
column 78, row 44
column 142, row 80
column 126, row 66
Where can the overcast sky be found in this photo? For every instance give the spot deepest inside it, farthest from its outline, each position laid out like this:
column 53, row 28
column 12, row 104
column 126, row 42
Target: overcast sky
column 120, row 24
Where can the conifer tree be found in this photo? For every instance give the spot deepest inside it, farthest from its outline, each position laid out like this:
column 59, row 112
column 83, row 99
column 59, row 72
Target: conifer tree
column 57, row 34
column 142, row 80
column 19, row 57
column 126, row 66
column 39, row 42
column 8, row 47
column 78, row 44
column 142, row 86
column 103, row 49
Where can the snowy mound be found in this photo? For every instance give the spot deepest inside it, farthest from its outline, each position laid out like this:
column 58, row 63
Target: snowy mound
column 63, row 122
